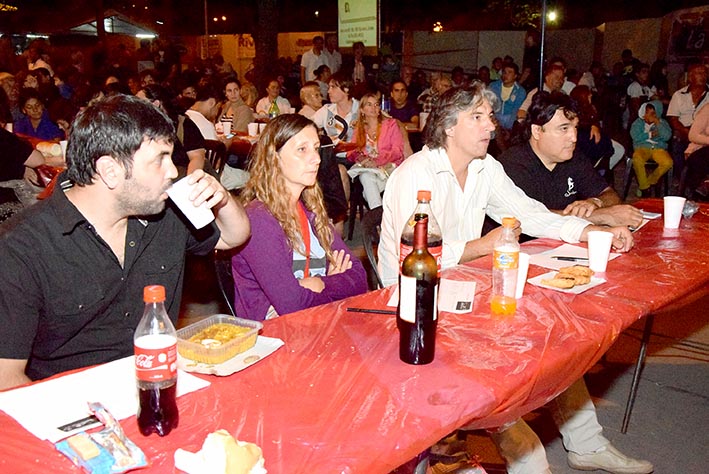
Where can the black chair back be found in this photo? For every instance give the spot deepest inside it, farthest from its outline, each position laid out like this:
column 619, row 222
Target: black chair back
column 216, row 155
column 371, row 228
column 225, row 279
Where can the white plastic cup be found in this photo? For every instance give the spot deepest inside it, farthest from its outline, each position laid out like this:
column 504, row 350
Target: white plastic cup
column 63, row 144
column 673, row 211
column 423, row 116
column 227, row 128
column 200, row 215
column 261, row 126
column 253, row 129
column 523, row 267
column 599, row 249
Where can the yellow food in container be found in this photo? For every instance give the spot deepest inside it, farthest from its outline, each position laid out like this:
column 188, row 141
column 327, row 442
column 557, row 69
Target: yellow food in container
column 217, row 338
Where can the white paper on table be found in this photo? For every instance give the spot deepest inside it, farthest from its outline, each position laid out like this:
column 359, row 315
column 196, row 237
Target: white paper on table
column 43, row 407
column 453, row 296
column 650, row 215
column 642, row 224
column 567, row 250
column 264, row 347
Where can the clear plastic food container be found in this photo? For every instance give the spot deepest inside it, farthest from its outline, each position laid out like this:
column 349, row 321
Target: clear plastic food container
column 217, row 338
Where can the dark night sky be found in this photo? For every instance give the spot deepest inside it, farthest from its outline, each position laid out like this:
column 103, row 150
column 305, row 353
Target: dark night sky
column 187, row 16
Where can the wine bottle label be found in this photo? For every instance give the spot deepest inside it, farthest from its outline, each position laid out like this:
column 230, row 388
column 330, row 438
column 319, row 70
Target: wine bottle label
column 155, row 358
column 505, row 260
column 405, row 250
column 408, row 298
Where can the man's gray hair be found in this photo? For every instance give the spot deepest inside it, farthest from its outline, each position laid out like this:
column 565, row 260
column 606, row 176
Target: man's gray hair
column 444, row 114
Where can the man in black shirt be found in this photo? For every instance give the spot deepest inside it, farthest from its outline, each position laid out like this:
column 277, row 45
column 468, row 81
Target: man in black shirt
column 548, row 167
column 74, row 266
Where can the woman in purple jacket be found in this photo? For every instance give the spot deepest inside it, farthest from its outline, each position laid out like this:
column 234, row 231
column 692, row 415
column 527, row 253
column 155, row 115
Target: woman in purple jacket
column 293, row 259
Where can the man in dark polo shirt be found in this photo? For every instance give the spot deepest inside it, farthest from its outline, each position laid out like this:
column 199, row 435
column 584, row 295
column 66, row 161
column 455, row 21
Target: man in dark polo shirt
column 74, row 266
column 548, row 167
column 403, row 109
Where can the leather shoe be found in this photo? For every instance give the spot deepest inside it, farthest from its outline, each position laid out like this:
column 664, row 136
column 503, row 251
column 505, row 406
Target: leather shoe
column 611, row 460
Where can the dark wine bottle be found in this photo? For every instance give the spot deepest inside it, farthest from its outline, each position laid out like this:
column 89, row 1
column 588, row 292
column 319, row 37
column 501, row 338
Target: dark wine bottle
column 417, row 313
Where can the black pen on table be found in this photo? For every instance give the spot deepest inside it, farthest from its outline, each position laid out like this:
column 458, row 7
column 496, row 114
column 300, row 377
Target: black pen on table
column 570, row 259
column 371, row 311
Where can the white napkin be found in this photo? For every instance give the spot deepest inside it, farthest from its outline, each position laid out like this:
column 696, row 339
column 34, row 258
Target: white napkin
column 43, row 407
column 544, row 259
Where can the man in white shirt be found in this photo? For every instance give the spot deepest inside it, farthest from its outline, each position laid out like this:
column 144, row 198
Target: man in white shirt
column 273, row 90
column 334, row 58
column 204, row 111
column 312, row 60
column 684, row 105
column 466, row 184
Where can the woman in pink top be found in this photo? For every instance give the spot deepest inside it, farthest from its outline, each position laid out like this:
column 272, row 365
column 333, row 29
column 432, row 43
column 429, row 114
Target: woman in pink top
column 380, row 148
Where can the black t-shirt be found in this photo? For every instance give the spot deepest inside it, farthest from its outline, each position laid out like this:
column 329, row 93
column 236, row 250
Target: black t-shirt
column 192, row 139
column 14, row 151
column 65, row 300
column 570, row 181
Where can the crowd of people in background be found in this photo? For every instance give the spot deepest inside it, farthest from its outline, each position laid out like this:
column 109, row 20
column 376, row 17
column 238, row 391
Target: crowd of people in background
column 41, row 93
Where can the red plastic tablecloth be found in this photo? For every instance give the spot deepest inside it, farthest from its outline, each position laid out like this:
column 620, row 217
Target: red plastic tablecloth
column 336, row 398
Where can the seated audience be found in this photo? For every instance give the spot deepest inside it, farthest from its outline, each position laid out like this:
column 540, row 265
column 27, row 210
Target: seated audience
column 639, row 91
column 17, row 156
column 402, row 108
column 380, row 149
column 273, row 95
column 650, row 135
column 249, row 93
column 510, row 96
column 312, row 98
column 294, row 259
column 85, row 307
column 337, row 120
column 551, row 156
column 322, row 78
column 684, row 106
column 595, row 144
column 204, row 111
column 36, row 122
column 188, row 153
column 465, row 184
column 234, row 110
column 697, row 165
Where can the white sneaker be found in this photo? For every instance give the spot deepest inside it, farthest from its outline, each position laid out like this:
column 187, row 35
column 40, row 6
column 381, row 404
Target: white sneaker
column 611, row 460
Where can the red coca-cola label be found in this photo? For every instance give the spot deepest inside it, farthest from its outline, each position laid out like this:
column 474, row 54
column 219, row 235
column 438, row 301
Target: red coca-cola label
column 405, row 250
column 154, row 363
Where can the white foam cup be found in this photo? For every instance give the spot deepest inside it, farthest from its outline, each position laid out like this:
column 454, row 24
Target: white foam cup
column 522, row 269
column 200, row 215
column 673, row 211
column 253, row 129
column 599, row 249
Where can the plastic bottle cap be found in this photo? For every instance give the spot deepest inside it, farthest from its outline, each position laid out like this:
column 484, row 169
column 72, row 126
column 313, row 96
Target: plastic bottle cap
column 154, row 294
column 423, row 195
column 508, row 221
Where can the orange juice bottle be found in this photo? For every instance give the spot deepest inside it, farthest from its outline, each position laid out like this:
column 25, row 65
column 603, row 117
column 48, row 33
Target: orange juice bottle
column 505, row 261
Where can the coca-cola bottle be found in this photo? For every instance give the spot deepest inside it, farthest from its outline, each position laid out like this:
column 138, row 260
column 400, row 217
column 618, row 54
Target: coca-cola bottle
column 155, row 344
column 434, row 237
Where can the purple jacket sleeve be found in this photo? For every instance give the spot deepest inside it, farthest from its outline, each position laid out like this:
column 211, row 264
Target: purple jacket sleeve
column 263, row 272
